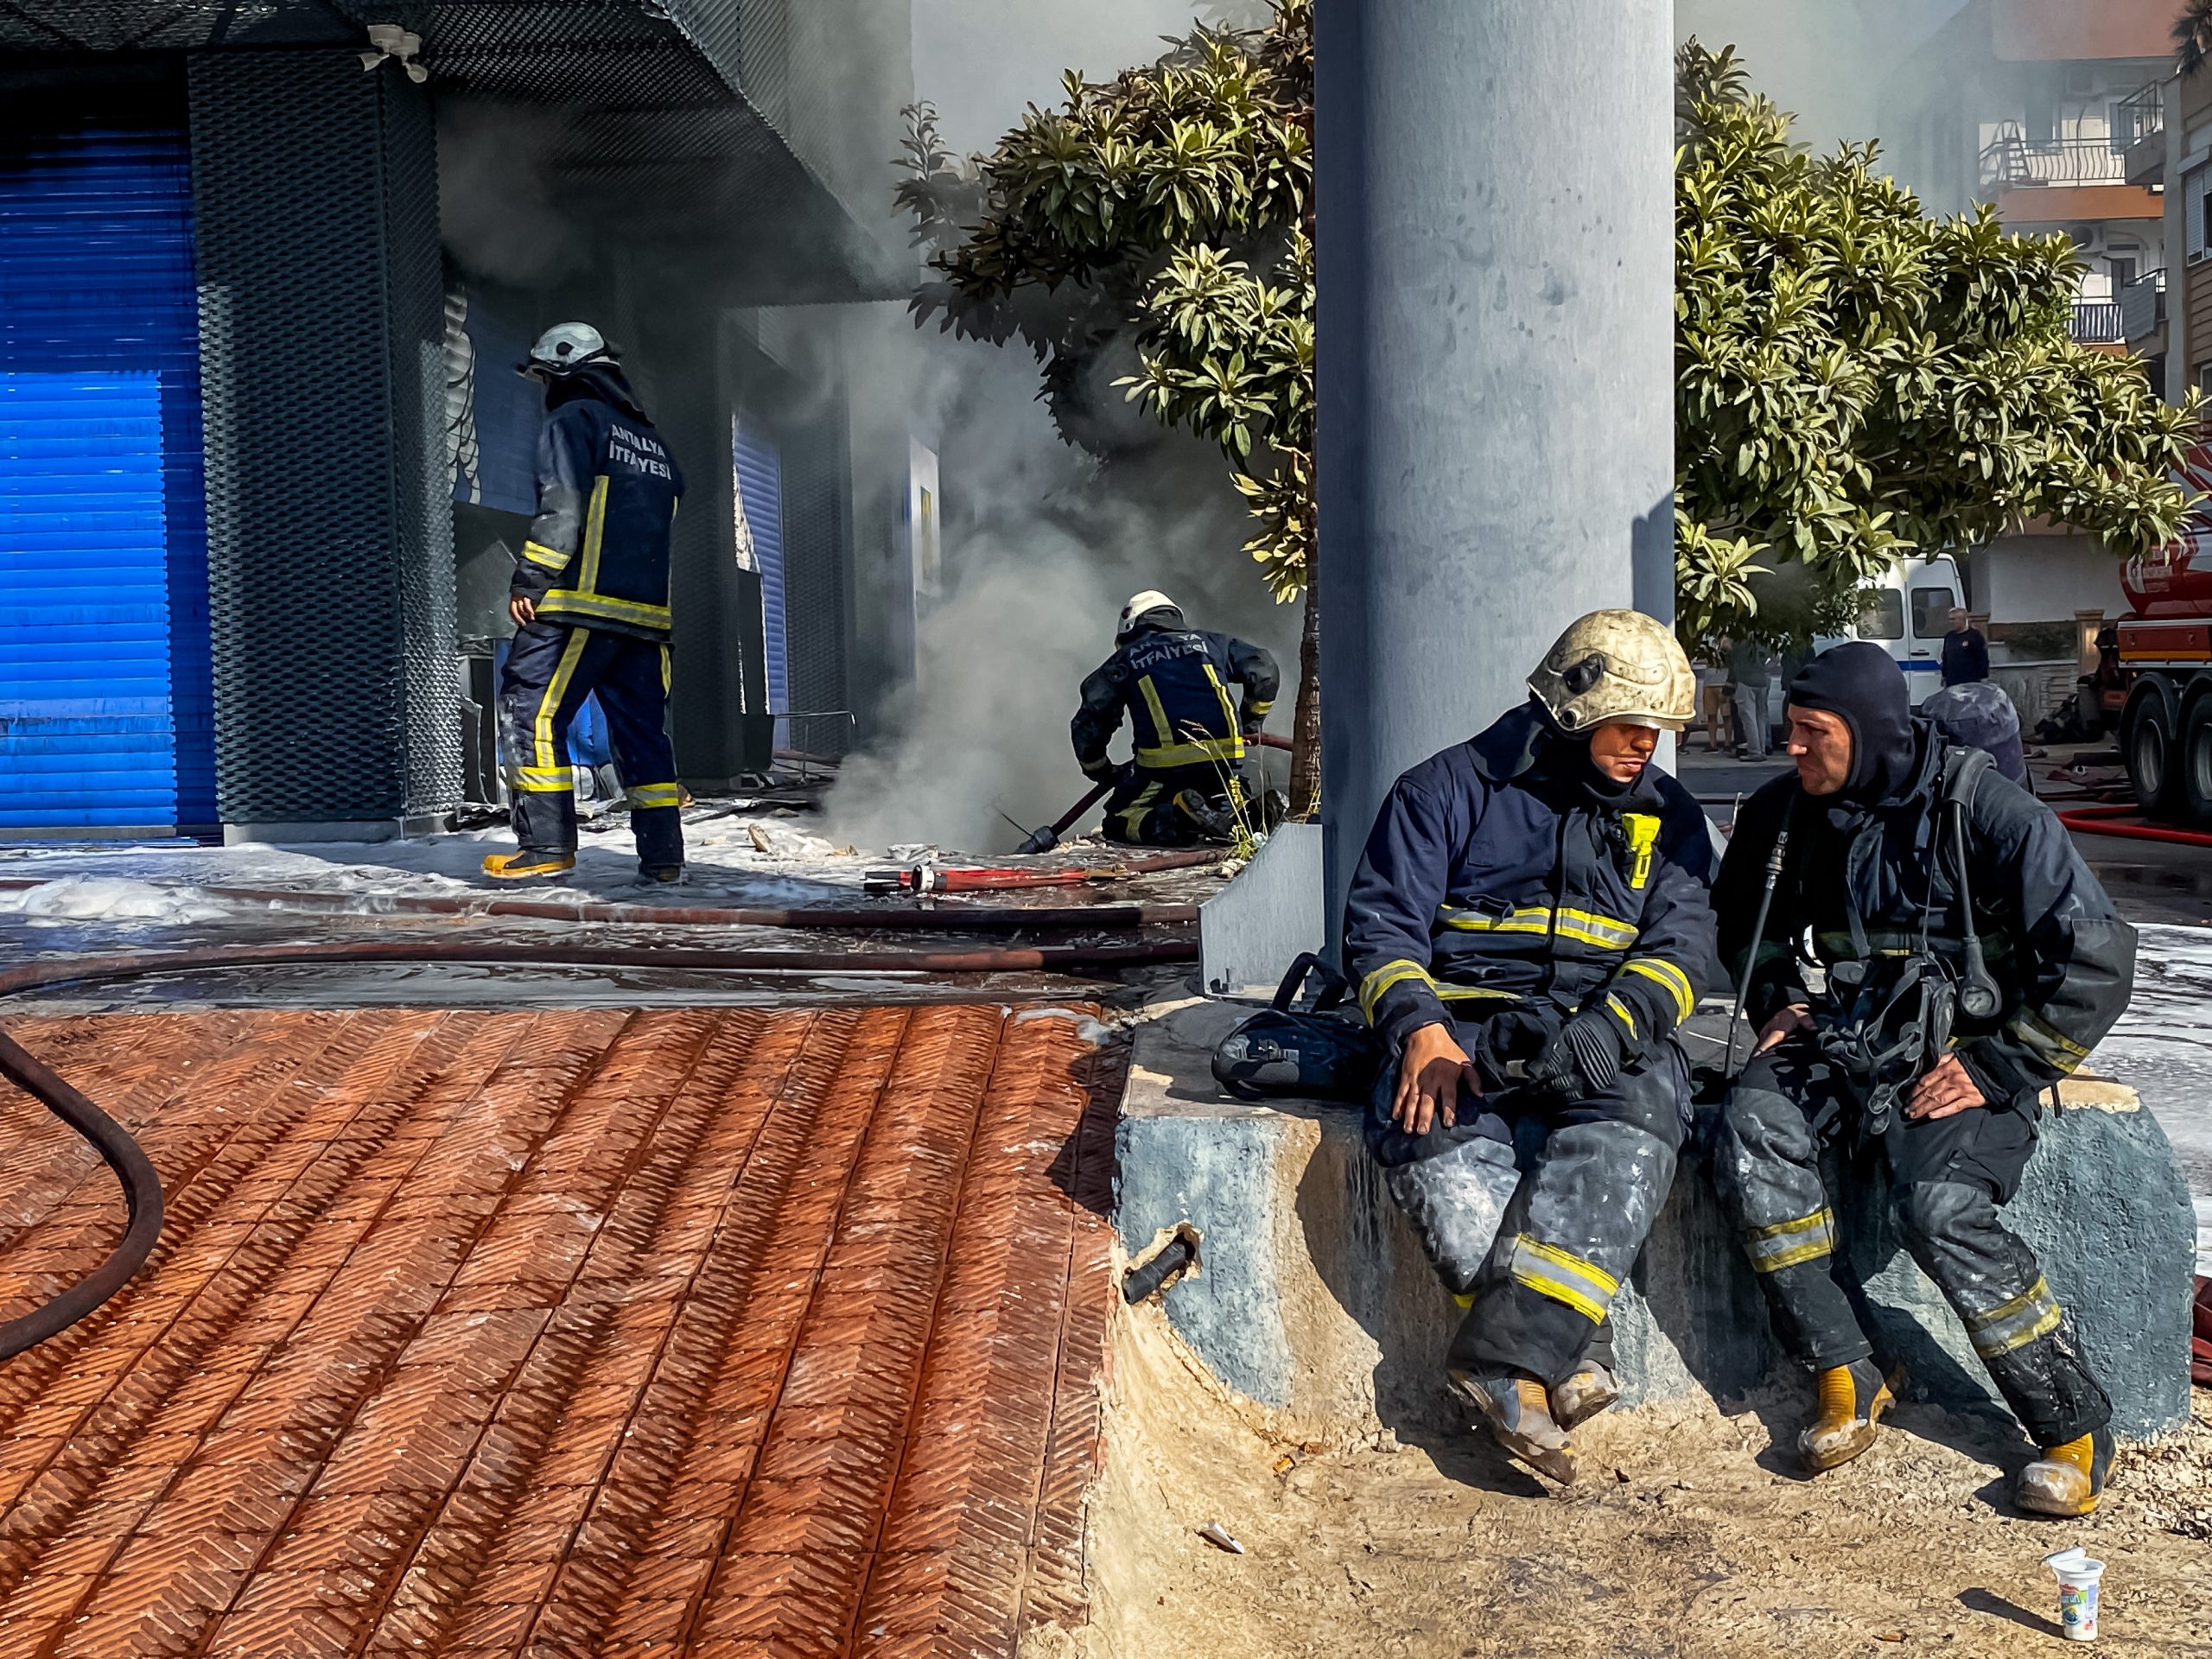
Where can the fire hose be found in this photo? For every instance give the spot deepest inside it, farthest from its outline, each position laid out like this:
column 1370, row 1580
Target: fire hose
column 977, row 918
column 2095, row 820
column 142, row 1187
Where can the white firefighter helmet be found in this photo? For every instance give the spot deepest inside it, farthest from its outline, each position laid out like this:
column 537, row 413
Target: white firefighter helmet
column 1616, row 665
column 566, row 347
column 1151, row 600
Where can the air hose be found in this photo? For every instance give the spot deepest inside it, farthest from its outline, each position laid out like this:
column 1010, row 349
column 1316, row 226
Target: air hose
column 141, row 1192
column 141, row 1188
column 929, row 878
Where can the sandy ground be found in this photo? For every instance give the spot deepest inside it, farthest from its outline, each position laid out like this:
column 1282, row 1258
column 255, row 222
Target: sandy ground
column 1686, row 1538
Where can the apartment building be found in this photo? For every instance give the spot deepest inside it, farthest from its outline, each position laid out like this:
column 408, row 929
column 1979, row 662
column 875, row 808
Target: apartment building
column 2037, row 107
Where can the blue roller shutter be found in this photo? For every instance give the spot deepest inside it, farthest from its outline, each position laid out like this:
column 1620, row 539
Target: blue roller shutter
column 761, row 488
column 106, row 708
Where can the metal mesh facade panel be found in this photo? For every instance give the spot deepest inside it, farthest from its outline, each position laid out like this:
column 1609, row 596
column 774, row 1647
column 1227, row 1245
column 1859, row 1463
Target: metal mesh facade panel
column 330, row 558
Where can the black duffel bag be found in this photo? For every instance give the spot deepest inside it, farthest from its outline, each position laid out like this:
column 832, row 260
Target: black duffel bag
column 1309, row 1046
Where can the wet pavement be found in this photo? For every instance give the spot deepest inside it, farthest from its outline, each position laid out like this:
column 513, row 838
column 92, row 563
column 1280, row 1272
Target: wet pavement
column 577, row 1332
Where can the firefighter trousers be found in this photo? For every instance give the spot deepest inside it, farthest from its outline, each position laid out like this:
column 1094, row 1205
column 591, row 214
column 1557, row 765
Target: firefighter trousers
column 551, row 669
column 1947, row 1176
column 1537, row 1257
column 1161, row 808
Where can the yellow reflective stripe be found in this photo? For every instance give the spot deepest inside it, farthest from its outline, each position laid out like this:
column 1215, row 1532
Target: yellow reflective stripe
column 1212, row 750
column 1787, row 1243
column 1585, row 926
column 538, row 553
column 653, row 795
column 547, row 755
column 545, row 780
column 1619, row 1010
column 1642, row 830
column 1161, row 733
column 1259, row 708
column 1133, row 814
column 595, row 529
column 2049, row 1044
column 1665, row 973
column 599, row 604
column 1389, row 974
column 1221, row 691
column 1550, row 1271
column 664, row 676
column 2033, row 1313
column 1164, row 751
column 1474, row 993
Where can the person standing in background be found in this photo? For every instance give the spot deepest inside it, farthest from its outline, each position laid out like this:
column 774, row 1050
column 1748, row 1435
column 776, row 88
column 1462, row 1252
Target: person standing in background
column 1749, row 676
column 1712, row 698
column 1966, row 653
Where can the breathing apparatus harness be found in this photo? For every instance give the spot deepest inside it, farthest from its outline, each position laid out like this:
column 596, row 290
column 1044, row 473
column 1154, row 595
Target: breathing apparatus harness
column 1889, row 1028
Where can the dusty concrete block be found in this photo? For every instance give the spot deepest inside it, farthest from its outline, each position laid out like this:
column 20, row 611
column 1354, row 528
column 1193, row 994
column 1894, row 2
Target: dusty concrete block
column 1315, row 1296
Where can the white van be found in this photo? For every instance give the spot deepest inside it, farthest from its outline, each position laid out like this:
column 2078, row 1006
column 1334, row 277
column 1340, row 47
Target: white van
column 1907, row 613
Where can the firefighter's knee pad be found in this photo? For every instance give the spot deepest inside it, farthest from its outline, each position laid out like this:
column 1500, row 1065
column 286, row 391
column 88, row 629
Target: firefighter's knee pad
column 1456, row 1201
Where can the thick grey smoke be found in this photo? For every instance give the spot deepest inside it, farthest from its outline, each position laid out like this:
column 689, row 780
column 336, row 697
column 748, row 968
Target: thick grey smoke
column 1042, row 544
column 495, row 202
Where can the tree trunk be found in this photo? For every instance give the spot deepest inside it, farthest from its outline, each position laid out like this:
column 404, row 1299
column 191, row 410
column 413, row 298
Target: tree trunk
column 1305, row 718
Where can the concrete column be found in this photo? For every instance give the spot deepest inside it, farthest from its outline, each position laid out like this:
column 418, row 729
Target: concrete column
column 1495, row 326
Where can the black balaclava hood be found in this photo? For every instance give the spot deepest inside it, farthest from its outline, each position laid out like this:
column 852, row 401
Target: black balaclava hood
column 1565, row 756
column 602, row 379
column 1862, row 685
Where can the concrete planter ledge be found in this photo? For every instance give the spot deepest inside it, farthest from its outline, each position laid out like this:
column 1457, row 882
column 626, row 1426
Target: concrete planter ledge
column 1313, row 1295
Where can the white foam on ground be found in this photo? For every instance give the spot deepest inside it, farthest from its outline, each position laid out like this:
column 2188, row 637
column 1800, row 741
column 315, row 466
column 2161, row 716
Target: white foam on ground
column 111, row 899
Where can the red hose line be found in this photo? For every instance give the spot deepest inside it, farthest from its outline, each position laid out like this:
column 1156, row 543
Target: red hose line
column 837, row 917
column 2092, row 821
column 71, row 970
column 852, row 918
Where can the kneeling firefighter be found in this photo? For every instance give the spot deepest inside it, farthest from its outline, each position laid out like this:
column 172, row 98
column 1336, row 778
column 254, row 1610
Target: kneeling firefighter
column 1527, row 927
column 590, row 603
column 1184, row 784
column 1965, row 959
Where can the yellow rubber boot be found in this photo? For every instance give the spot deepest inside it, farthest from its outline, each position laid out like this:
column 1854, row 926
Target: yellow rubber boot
column 1851, row 1400
column 1519, row 1413
column 2066, row 1480
column 528, row 866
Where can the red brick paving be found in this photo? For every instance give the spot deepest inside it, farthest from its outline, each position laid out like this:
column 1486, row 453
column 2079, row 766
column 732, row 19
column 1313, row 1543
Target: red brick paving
column 567, row 1333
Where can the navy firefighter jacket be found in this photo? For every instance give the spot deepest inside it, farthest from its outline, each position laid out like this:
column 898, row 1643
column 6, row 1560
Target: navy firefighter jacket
column 1496, row 874
column 1174, row 683
column 597, row 557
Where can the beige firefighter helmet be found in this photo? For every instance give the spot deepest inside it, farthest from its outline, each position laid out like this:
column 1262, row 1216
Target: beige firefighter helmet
column 1616, row 665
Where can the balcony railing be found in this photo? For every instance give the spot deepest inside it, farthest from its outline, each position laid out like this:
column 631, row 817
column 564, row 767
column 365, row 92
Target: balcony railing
column 2140, row 115
column 2010, row 162
column 2143, row 306
column 2096, row 322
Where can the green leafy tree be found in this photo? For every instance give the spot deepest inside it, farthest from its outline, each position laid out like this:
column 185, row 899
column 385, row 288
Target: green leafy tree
column 1150, row 241
column 1856, row 381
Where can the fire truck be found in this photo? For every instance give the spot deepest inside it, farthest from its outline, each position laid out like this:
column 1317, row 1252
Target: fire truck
column 2164, row 681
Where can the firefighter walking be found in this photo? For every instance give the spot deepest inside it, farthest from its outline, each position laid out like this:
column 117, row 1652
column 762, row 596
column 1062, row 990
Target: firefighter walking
column 589, row 599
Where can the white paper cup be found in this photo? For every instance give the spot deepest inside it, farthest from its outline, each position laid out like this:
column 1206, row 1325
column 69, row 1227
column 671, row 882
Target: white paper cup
column 2078, row 1577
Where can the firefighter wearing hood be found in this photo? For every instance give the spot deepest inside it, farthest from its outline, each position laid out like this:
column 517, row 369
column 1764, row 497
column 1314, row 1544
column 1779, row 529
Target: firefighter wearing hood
column 1936, row 955
column 589, row 600
column 1529, row 927
column 1184, row 781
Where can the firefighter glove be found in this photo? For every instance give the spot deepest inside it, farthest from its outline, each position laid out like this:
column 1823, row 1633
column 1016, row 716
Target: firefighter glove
column 1583, row 1058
